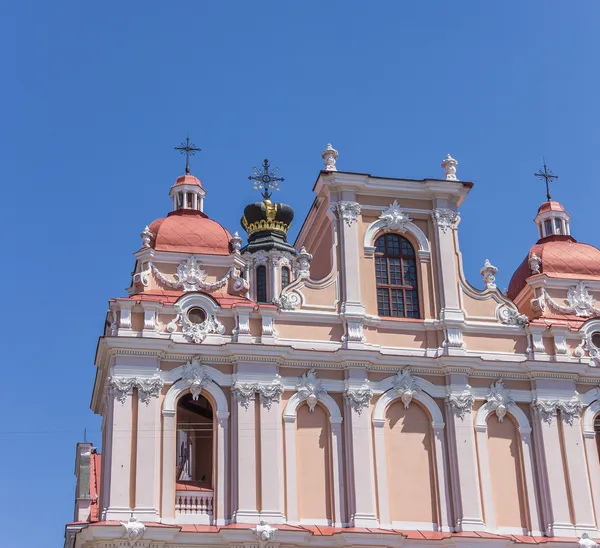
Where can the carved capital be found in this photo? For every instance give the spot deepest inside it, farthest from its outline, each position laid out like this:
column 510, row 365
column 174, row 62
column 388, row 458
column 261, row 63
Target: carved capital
column 245, row 391
column 445, row 218
column 359, row 398
column 461, row 403
column 348, row 211
column 270, row 393
column 149, row 388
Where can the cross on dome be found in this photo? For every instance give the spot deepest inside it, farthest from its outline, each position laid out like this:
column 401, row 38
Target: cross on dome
column 189, row 149
column 547, row 175
column 266, row 178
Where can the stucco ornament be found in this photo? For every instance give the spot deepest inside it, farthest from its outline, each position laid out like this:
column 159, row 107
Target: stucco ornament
column 546, row 408
column 580, row 302
column 134, row 530
column 189, row 277
column 329, row 156
column 310, row 389
column 535, row 263
column 260, row 258
column 445, row 218
column 359, row 397
column 348, row 212
column 405, row 386
column 461, row 403
column 270, row 393
column 196, row 376
column 489, row 272
column 449, row 164
column 245, row 391
column 288, row 300
column 586, row 542
column 499, row 399
column 197, row 332
column 303, row 260
column 264, row 532
column 510, row 316
column 121, row 387
column 149, row 388
column 570, row 409
column 236, row 243
column 146, row 236
column 394, row 218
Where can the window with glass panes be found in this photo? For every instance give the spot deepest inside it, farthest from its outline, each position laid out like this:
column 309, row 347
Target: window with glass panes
column 285, row 277
column 396, row 274
column 261, row 284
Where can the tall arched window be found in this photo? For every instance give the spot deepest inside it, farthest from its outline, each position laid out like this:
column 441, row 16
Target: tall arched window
column 285, row 277
column 261, row 284
column 396, row 274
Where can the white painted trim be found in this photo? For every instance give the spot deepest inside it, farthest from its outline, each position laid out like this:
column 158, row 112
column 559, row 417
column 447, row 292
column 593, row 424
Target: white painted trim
column 378, row 227
column 325, row 399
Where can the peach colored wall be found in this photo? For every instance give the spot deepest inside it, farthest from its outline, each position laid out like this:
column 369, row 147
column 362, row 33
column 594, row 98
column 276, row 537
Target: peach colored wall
column 367, row 199
column 322, row 255
column 408, row 339
column 506, row 473
column 137, row 321
column 474, row 307
column 255, row 327
column 326, row 296
column 510, row 384
column 494, row 343
column 313, row 462
column 316, row 332
column 409, row 452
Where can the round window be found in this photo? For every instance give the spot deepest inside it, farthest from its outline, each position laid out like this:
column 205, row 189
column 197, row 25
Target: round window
column 196, row 315
column 596, row 339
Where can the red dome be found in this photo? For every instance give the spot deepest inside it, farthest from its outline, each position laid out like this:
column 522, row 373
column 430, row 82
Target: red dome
column 188, row 180
column 189, row 231
column 550, row 206
column 562, row 257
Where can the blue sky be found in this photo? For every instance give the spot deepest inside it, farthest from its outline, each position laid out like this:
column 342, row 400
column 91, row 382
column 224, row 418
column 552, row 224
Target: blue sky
column 96, row 95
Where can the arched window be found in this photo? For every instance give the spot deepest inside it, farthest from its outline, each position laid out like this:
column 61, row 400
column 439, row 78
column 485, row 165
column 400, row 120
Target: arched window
column 285, row 277
column 396, row 274
column 261, row 284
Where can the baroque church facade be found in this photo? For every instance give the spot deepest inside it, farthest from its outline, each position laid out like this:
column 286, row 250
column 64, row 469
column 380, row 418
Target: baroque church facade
column 349, row 389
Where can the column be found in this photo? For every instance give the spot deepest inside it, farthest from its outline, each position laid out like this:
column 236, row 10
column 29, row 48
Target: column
column 290, row 472
column 221, row 468
column 274, row 283
column 147, row 487
column 244, row 407
column 271, row 461
column 120, row 433
column 559, row 520
column 339, row 507
column 579, row 479
column 591, row 449
column 169, row 466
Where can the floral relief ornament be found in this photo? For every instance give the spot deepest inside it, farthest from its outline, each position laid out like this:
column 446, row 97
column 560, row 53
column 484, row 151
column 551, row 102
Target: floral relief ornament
column 445, row 218
column 580, row 302
column 134, row 530
column 270, row 393
column 196, row 332
column 149, row 388
column 190, row 277
column 310, row 389
column 462, row 403
column 196, row 376
column 394, row 218
column 359, row 397
column 499, row 399
column 405, row 386
column 245, row 391
column 569, row 409
column 510, row 316
column 348, row 212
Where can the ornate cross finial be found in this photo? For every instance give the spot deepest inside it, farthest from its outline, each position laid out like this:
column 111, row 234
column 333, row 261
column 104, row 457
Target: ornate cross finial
column 548, row 176
column 189, row 149
column 266, row 178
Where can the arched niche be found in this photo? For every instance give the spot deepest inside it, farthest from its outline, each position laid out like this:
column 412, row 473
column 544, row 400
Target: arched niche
column 379, row 227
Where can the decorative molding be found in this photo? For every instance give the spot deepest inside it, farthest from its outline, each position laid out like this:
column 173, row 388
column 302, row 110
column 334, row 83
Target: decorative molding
column 453, row 337
column 405, row 386
column 569, row 409
column 461, row 403
column 270, row 393
column 489, row 272
column 134, row 530
column 189, row 277
column 121, row 387
column 329, row 156
column 348, row 211
column 197, row 332
column 359, row 398
column 245, row 391
column 288, row 300
column 310, row 389
column 546, row 408
column 264, row 532
column 535, row 263
column 261, row 258
column 353, row 331
column 146, row 236
column 196, row 376
column 499, row 399
column 445, row 218
column 510, row 316
column 394, row 218
column 449, row 164
column 149, row 388
column 580, row 302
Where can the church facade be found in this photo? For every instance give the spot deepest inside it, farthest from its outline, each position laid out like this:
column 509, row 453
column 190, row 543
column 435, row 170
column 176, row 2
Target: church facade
column 351, row 388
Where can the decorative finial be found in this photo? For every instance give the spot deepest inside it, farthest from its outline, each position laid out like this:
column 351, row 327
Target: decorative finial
column 449, row 164
column 189, row 149
column 146, row 236
column 236, row 242
column 489, row 274
column 329, row 156
column 534, row 263
column 547, row 175
column 266, row 179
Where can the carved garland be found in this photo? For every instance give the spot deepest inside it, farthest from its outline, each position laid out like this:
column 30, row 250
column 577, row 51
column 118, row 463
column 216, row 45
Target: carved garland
column 580, row 302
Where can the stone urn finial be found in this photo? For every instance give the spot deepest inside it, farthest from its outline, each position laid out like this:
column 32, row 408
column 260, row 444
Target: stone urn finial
column 329, row 158
column 449, row 164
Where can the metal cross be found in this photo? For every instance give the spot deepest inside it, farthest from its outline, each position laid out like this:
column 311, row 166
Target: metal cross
column 266, row 178
column 189, row 150
column 547, row 175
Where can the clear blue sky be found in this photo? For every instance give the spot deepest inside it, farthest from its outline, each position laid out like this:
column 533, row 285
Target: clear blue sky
column 95, row 95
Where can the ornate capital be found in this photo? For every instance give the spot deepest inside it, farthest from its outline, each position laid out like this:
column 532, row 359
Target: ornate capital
column 546, row 408
column 310, row 389
column 405, row 386
column 329, row 156
column 245, row 392
column 449, row 164
column 394, row 218
column 149, row 388
column 359, row 397
column 570, row 409
column 121, row 387
column 270, row 393
column 462, row 403
column 348, row 212
column 134, row 530
column 196, row 376
column 445, row 218
column 499, row 399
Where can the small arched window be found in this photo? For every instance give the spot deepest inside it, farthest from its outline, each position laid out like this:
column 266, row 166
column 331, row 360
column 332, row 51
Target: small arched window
column 261, row 284
column 396, row 275
column 285, row 277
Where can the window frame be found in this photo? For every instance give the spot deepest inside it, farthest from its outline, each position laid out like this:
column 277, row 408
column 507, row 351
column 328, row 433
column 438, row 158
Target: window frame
column 259, row 290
